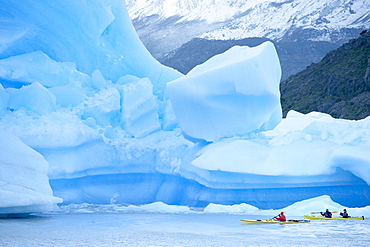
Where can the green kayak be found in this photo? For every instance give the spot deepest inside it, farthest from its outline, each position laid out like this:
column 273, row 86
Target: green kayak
column 318, row 217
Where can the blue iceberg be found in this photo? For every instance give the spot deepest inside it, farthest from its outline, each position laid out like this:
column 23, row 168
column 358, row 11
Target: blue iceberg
column 100, row 121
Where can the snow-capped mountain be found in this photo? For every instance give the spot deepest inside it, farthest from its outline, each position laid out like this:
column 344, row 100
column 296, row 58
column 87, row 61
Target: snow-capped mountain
column 280, row 20
column 323, row 20
column 209, row 10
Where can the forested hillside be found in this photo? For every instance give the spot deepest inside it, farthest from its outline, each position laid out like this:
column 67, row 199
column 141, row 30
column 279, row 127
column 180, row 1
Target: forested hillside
column 339, row 84
column 292, row 61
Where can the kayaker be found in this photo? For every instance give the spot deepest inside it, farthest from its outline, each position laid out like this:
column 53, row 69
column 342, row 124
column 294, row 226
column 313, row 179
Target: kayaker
column 280, row 217
column 344, row 214
column 326, row 214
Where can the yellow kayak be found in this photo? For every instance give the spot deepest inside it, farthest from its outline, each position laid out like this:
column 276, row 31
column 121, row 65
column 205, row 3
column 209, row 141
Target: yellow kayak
column 274, row 221
column 318, row 217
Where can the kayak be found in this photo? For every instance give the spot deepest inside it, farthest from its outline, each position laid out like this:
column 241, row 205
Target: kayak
column 317, row 217
column 274, row 221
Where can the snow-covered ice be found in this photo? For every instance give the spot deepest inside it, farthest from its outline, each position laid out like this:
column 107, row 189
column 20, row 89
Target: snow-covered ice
column 318, row 142
column 83, row 98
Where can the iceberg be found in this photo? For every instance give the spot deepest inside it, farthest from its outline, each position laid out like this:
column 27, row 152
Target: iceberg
column 102, row 122
column 230, row 94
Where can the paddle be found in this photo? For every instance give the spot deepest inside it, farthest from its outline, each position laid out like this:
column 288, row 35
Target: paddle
column 274, row 218
column 334, row 212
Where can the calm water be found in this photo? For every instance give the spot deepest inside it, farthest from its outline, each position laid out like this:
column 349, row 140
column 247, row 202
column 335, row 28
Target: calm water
column 150, row 229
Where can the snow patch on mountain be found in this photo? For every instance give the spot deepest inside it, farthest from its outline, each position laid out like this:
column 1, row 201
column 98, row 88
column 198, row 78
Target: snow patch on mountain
column 288, row 16
column 260, row 18
column 191, row 10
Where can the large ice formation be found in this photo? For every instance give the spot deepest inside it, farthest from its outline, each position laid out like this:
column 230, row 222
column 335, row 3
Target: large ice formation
column 79, row 88
column 231, row 94
column 72, row 73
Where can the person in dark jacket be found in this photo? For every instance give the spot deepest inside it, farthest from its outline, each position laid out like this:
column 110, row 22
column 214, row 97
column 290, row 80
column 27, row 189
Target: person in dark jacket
column 345, row 214
column 326, row 214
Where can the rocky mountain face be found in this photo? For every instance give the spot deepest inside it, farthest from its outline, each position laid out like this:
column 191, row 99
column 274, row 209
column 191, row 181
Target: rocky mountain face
column 164, row 25
column 182, row 34
column 339, row 84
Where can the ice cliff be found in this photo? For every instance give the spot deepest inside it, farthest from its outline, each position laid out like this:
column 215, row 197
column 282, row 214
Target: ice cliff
column 82, row 97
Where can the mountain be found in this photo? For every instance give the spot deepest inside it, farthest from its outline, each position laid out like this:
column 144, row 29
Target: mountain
column 165, row 25
column 184, row 34
column 339, row 84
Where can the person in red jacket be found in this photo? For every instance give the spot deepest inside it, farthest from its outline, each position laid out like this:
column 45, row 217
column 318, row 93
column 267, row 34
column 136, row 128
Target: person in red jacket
column 281, row 217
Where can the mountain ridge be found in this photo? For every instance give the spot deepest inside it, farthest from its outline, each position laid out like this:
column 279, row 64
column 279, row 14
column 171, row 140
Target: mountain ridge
column 274, row 19
column 183, row 35
column 170, row 27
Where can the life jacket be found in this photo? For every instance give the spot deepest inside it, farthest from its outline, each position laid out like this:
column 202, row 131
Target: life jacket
column 344, row 215
column 327, row 214
column 281, row 217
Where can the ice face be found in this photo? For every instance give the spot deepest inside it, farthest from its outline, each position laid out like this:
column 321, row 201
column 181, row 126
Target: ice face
column 139, row 115
column 35, row 67
column 24, row 183
column 4, row 97
column 83, row 95
column 231, row 94
column 94, row 35
column 34, row 97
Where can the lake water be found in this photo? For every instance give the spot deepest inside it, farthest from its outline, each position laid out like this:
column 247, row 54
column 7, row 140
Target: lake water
column 190, row 229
